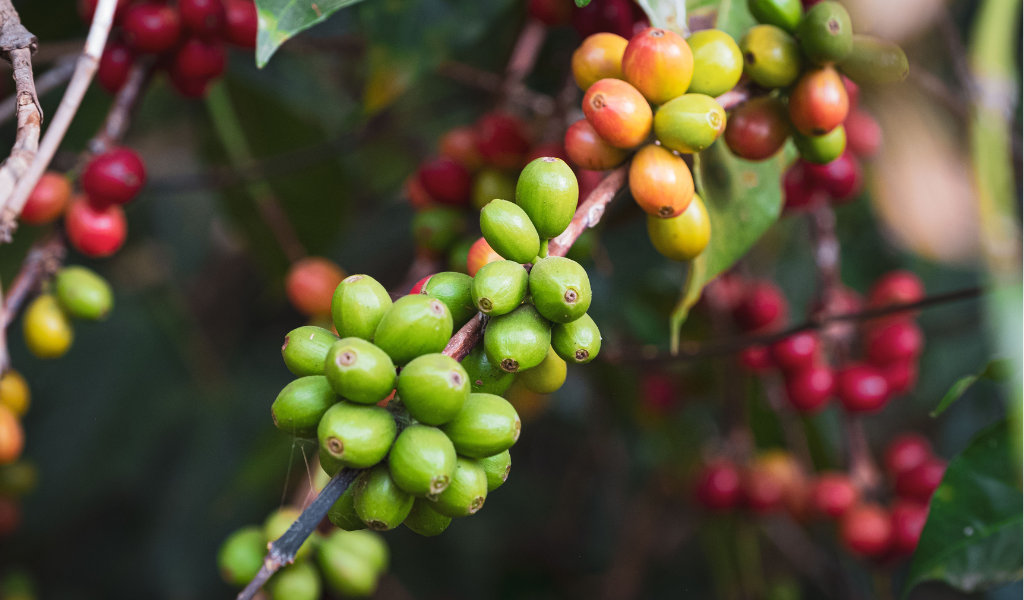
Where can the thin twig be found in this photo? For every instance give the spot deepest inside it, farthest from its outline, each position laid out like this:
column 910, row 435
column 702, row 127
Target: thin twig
column 41, row 262
column 115, row 126
column 57, row 76
column 30, row 118
column 590, row 211
column 519, row 94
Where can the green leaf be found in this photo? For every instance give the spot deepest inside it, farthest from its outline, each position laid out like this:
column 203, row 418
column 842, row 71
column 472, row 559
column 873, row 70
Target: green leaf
column 972, row 540
column 734, row 18
column 279, row 20
column 582, row 3
column 667, row 14
column 996, row 370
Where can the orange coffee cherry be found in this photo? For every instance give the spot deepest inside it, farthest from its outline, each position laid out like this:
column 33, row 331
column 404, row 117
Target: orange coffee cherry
column 598, row 57
column 660, row 182
column 818, row 103
column 659, row 63
column 618, row 112
column 588, row 150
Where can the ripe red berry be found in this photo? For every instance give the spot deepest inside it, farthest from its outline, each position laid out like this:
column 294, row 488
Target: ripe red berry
column 920, row 482
column 658, row 392
column 588, row 181
column 418, row 197
column 795, row 352
column 763, row 307
column 418, row 287
column 810, row 388
column 866, row 530
column 863, row 134
column 197, row 59
column 189, row 87
column 906, row 452
column 861, row 388
column 841, row 179
column 480, row 254
column 833, row 494
column 757, row 129
column 763, row 491
column 150, row 27
column 47, row 200
column 613, row 16
column 896, row 287
column 502, row 141
column 203, row 17
column 908, row 519
column 756, row 359
column 901, row 376
column 87, row 8
column 114, row 177
column 899, row 341
column 95, row 232
column 241, row 23
column 446, row 181
column 115, row 63
column 550, row 12
column 718, row 486
column 799, row 190
column 310, row 284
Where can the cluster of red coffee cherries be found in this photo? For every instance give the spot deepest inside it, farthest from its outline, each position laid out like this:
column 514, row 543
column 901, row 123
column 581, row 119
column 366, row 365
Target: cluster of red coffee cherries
column 621, row 17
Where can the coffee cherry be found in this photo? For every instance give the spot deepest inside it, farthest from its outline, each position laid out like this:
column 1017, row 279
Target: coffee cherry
column 518, row 340
column 598, row 57
column 547, row 191
column 310, row 284
column 921, row 482
column 499, row 287
column 795, row 352
column 460, row 145
column 809, row 388
column 502, row 140
column 433, row 387
column 588, row 150
column 618, row 113
column 833, row 494
column 547, row 377
column 900, row 341
column 355, row 436
column 189, row 87
column 757, row 359
column 497, row 468
column 480, row 254
column 660, row 182
column 614, row 16
column 114, row 177
column 87, row 8
column 718, row 486
column 426, row 521
column 240, row 23
column 414, row 326
column 357, row 306
column 866, row 530
column 422, row 461
column 509, row 231
column 900, row 376
column 863, row 134
column 560, row 289
column 241, row 555
column 298, row 581
column 873, row 61
column 783, row 467
column 491, row 184
column 14, row 393
column 198, row 59
column 799, row 190
column 550, row 12
column 578, row 342
column 821, row 149
column 659, row 64
column 771, row 57
column 717, row 62
column 115, row 63
column 343, row 512
column 486, row 376
column 278, row 523
column 456, row 291
column 785, row 14
column 683, row 237
column 436, row 229
column 345, row 569
column 689, row 123
column 203, row 17
column 826, row 33
column 47, row 200
column 446, row 180
column 305, row 350
column 841, row 178
column 466, row 492
column 378, row 501
column 83, row 294
column 757, row 129
column 896, row 287
column 763, row 307
column 861, row 388
column 762, row 491
column 905, row 453
column 12, row 436
column 151, row 27
column 486, row 425
column 47, row 330
column 908, row 520
column 818, row 103
column 359, row 371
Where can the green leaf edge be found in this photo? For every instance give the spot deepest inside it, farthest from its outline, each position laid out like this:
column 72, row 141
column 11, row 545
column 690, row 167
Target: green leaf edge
column 995, row 370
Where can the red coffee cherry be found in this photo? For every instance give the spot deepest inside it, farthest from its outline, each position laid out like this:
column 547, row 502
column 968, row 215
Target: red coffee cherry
column 114, row 177
column 908, row 519
column 417, row 195
column 810, row 388
column 863, row 134
column 115, row 63
column 550, row 12
column 589, row 150
column 459, row 144
column 800, row 191
column 197, row 59
column 588, row 181
column 189, row 87
column 480, row 254
column 151, row 28
column 203, row 17
column 502, row 140
column 241, row 23
column 841, row 178
column 905, row 452
column 658, row 392
column 446, row 181
column 900, row 341
column 87, row 8
column 896, row 287
column 47, row 200
column 833, row 494
column 756, row 359
column 310, row 284
column 866, row 530
column 718, row 485
column 795, row 352
column 861, row 388
column 900, row 376
column 818, row 103
column 757, row 129
column 95, row 232
column 612, row 16
column 921, row 482
column 418, row 287
column 763, row 491
column 763, row 307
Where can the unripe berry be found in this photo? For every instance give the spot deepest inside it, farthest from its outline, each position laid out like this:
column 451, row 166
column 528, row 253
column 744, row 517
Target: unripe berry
column 717, row 62
column 821, row 149
column 114, row 177
column 718, row 486
column 12, row 436
column 906, row 452
column 490, row 184
column 757, row 129
column 833, row 494
column 897, row 342
column 659, row 64
column 241, row 555
column 198, row 59
column 683, row 237
column 241, row 23
column 808, row 389
column 47, row 329
column 589, row 150
column 598, row 57
column 660, row 182
column 15, row 394
column 550, row 12
column 771, row 57
column 502, row 140
column 921, row 482
column 863, row 134
column 908, row 520
column 785, row 14
column 115, row 63
column 460, row 145
column 795, row 352
column 763, row 308
column 47, row 200
column 866, row 530
column 618, row 113
column 689, row 123
column 756, row 359
column 818, row 103
column 435, row 230
column 480, row 254
column 446, row 181
column 861, row 388
column 95, row 232
column 203, row 17
column 825, row 32
column 310, row 285
column 151, row 28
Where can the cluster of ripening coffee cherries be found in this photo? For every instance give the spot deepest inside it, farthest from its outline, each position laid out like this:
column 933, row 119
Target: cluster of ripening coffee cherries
column 350, row 562
column 774, row 481
column 17, row 477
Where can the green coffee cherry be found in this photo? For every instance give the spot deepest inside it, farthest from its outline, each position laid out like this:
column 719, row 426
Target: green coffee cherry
column 415, row 325
column 422, row 460
column 83, row 294
column 826, row 33
column 490, row 184
column 486, row 426
column 366, row 544
column 354, row 435
column 379, row 502
column 358, row 305
column 547, row 191
column 359, row 371
column 344, row 571
column 484, row 375
column 343, row 512
column 875, row 61
column 717, row 62
column 437, row 229
column 433, row 388
column 519, row 340
column 785, row 14
column 771, row 57
column 278, row 523
column 241, row 555
column 299, row 581
column 577, row 342
column 497, row 468
column 689, row 123
column 467, row 491
column 455, row 290
column 560, row 289
column 509, row 231
column 426, row 521
column 305, row 350
column 499, row 287
column 546, row 377
column 821, row 149
column 300, row 405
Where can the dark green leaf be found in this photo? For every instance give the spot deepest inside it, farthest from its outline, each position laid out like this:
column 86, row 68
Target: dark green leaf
column 972, row 539
column 279, row 20
column 996, row 370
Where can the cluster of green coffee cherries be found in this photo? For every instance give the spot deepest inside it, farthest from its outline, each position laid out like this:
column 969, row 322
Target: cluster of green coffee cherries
column 432, row 434
column 350, row 562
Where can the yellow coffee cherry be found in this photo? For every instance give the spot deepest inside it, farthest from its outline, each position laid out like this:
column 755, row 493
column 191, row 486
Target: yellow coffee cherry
column 683, row 237
column 47, row 330
column 14, row 392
